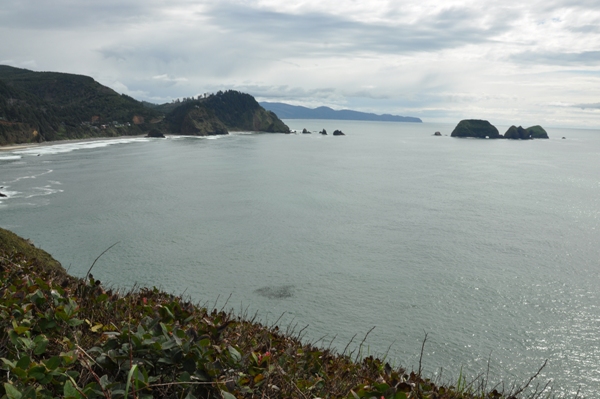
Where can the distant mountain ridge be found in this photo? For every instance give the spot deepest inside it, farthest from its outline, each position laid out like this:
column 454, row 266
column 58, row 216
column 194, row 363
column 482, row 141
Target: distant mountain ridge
column 287, row 111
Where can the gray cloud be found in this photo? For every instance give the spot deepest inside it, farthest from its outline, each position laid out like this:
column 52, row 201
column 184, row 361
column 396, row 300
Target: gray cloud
column 326, row 34
column 586, row 29
column 586, row 58
column 66, row 14
column 417, row 57
column 587, row 106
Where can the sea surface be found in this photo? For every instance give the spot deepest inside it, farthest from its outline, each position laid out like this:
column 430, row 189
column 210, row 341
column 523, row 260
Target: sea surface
column 490, row 247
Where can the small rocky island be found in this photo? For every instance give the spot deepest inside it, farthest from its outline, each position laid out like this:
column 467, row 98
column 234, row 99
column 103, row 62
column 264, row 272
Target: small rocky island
column 533, row 132
column 338, row 133
column 485, row 130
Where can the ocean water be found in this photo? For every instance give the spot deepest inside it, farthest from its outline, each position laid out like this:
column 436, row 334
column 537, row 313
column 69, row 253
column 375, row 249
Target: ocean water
column 490, row 247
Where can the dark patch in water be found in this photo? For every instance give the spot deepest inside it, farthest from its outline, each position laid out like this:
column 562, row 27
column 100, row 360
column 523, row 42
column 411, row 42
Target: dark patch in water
column 276, row 292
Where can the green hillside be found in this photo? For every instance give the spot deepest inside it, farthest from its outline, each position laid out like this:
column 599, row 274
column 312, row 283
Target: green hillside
column 76, row 98
column 47, row 106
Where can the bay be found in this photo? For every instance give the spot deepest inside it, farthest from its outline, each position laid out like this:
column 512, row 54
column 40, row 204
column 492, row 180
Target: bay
column 488, row 246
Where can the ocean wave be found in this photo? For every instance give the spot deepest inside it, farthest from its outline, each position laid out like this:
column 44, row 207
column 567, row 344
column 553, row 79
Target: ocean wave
column 43, row 191
column 215, row 137
column 69, row 147
column 29, row 177
column 10, row 157
column 9, row 194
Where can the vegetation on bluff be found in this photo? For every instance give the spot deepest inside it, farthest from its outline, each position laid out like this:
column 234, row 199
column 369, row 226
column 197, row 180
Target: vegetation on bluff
column 62, row 336
column 222, row 112
column 46, row 106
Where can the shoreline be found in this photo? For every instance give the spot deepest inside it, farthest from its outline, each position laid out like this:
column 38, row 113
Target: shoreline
column 14, row 147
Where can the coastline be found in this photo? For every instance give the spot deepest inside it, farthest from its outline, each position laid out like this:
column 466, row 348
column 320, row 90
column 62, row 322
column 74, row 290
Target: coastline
column 14, row 147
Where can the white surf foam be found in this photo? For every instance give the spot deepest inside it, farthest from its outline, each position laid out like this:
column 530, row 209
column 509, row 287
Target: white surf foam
column 29, row 177
column 43, row 191
column 69, row 147
column 10, row 157
column 199, row 137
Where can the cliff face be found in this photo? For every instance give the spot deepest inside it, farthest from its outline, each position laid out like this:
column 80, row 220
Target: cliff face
column 223, row 112
column 192, row 119
column 241, row 112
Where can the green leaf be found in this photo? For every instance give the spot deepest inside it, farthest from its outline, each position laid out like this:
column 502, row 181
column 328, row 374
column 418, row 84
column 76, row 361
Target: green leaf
column 37, row 372
column 104, row 381
column 74, row 322
column 133, row 369
column 21, row 330
column 185, row 377
column 29, row 393
column 190, row 396
column 24, row 362
column 227, row 395
column 10, row 364
column 47, row 324
column 12, row 392
column 235, row 355
column 41, row 342
column 70, row 391
column 400, row 395
column 52, row 363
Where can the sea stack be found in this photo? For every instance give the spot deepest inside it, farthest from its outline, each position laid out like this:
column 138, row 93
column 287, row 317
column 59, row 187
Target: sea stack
column 476, row 128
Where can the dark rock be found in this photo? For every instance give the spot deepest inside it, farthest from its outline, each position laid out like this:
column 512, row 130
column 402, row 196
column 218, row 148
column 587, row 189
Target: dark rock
column 338, row 133
column 304, row 131
column 155, row 133
column 518, row 133
column 323, row 132
column 3, row 195
column 564, row 138
column 537, row 132
column 437, row 134
column 476, row 128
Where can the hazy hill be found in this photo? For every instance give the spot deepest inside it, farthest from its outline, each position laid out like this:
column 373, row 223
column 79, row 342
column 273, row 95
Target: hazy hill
column 286, row 111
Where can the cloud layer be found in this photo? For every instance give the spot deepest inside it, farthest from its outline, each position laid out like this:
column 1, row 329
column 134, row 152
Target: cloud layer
column 508, row 62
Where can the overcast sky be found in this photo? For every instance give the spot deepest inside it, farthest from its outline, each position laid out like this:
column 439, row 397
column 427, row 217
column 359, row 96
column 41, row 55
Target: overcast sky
column 510, row 62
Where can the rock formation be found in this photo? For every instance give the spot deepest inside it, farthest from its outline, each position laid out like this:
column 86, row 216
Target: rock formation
column 338, row 133
column 155, row 133
column 476, row 128
column 518, row 133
